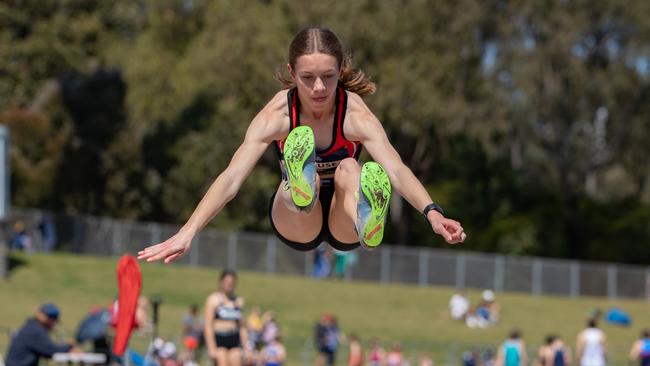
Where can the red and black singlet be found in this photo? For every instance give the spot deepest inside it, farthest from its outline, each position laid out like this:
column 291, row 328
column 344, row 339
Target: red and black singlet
column 327, row 160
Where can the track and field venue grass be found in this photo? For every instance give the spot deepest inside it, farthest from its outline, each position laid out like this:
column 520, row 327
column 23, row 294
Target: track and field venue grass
column 414, row 316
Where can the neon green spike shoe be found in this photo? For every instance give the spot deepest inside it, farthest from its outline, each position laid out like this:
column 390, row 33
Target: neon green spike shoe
column 300, row 158
column 372, row 209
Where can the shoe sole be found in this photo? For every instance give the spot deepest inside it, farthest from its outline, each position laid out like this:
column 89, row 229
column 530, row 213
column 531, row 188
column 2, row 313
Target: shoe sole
column 299, row 148
column 376, row 191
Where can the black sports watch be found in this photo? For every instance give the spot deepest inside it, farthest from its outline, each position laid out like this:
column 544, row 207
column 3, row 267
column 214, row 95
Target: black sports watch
column 432, row 206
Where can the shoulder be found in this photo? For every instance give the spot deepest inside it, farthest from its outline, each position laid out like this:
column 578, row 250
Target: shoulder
column 239, row 301
column 356, row 106
column 272, row 120
column 214, row 299
column 360, row 122
column 277, row 104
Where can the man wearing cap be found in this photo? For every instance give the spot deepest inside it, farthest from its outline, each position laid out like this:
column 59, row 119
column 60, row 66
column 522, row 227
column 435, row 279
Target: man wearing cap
column 32, row 341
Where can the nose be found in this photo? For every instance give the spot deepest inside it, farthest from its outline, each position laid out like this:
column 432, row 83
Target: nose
column 319, row 86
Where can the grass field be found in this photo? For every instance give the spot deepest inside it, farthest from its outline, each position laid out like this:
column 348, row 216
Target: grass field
column 416, row 317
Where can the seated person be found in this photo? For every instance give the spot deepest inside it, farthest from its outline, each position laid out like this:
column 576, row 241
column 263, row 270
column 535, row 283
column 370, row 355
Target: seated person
column 486, row 312
column 32, row 341
column 458, row 305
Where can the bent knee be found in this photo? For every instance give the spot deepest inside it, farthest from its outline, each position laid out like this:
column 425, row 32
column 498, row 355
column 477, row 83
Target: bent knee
column 347, row 166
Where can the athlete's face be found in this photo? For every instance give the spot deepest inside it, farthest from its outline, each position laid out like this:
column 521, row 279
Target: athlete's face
column 316, row 77
column 228, row 284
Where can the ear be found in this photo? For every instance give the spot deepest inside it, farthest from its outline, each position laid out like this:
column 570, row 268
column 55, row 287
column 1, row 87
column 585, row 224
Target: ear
column 290, row 69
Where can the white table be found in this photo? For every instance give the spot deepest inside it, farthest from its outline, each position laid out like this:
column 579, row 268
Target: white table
column 79, row 358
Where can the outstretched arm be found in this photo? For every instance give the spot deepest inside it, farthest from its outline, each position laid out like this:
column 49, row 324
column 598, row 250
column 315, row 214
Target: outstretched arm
column 365, row 127
column 265, row 127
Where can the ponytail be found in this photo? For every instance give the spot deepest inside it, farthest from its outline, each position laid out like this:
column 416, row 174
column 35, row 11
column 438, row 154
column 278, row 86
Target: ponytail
column 355, row 80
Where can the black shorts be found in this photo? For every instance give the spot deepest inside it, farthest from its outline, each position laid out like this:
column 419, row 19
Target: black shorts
column 227, row 340
column 325, row 197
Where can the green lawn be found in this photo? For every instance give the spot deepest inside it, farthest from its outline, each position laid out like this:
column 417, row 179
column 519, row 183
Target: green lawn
column 417, row 317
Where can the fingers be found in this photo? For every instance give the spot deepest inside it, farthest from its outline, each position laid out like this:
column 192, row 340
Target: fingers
column 441, row 230
column 157, row 252
column 163, row 253
column 450, row 230
column 174, row 256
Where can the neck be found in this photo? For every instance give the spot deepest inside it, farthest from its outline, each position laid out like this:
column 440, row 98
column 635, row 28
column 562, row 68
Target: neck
column 317, row 115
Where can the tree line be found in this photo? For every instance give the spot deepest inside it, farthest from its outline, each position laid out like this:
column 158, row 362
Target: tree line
column 529, row 121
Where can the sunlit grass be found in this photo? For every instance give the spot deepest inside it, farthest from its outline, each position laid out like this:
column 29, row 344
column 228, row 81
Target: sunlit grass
column 416, row 317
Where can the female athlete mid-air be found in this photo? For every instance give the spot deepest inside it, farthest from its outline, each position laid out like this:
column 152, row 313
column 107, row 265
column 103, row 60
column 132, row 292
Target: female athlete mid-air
column 318, row 124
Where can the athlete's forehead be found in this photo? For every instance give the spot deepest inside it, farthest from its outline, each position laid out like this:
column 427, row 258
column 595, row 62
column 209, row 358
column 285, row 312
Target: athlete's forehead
column 316, row 63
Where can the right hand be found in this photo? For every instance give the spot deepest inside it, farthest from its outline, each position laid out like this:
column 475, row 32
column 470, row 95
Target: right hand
column 172, row 248
column 212, row 353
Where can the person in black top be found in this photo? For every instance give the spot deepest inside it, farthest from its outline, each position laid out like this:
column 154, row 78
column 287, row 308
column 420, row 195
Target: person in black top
column 32, row 341
column 224, row 331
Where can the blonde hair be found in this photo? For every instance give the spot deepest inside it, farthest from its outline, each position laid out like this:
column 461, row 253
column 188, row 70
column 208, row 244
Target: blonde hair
column 322, row 40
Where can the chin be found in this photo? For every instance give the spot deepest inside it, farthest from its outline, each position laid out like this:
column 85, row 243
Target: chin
column 321, row 104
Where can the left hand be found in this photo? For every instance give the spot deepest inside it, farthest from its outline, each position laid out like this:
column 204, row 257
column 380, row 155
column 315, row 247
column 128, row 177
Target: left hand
column 449, row 229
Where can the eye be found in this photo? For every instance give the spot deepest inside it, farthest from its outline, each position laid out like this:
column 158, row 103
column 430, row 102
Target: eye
column 307, row 77
column 328, row 76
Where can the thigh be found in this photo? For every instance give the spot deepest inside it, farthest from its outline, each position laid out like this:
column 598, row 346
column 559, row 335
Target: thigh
column 234, row 357
column 222, row 356
column 293, row 224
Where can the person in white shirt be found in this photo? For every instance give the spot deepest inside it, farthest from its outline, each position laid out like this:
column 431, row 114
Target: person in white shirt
column 458, row 305
column 591, row 347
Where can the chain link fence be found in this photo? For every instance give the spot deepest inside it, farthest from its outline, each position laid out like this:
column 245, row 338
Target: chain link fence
column 391, row 264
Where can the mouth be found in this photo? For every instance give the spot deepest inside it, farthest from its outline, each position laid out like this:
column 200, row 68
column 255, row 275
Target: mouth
column 319, row 99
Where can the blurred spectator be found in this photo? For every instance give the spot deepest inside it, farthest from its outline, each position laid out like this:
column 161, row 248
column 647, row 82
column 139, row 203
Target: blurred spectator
column 594, row 314
column 48, row 232
column 553, row 352
column 340, row 262
column 270, row 328
column 274, row 353
column 142, row 321
column 640, row 351
column 224, row 328
column 559, row 353
column 193, row 323
column 32, row 341
column 591, row 349
column 395, row 357
column 425, row 360
column 255, row 326
column 376, row 354
column 321, row 264
column 486, row 313
column 343, row 261
column 513, row 351
column 470, row 358
column 327, row 340
column 94, row 328
column 20, row 240
column 487, row 358
column 355, row 353
column 543, row 352
column 458, row 305
column 192, row 333
column 163, row 353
